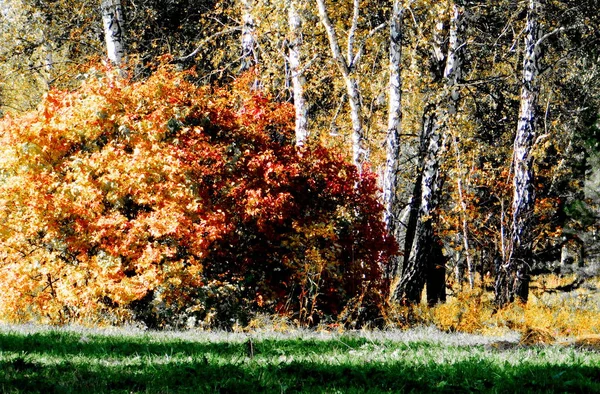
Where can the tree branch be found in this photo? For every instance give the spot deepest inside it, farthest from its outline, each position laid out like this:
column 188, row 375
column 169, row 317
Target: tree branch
column 353, row 28
column 556, row 31
column 333, row 41
column 206, row 40
column 361, row 49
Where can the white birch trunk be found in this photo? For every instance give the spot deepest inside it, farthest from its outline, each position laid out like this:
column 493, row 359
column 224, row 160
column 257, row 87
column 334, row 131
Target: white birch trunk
column 425, row 262
column 392, row 166
column 514, row 278
column 352, row 31
column 419, row 241
column 453, row 74
column 360, row 152
column 454, row 59
column 113, row 22
column 297, row 74
column 249, row 57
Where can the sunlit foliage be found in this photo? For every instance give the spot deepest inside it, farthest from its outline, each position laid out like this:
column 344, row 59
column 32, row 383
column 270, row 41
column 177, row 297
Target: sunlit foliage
column 163, row 202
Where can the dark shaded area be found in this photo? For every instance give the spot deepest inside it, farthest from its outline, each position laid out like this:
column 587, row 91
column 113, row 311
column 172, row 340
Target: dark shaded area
column 200, row 372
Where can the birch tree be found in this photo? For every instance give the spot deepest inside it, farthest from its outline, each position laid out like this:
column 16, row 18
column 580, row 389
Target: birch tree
column 424, row 261
column 297, row 73
column 513, row 279
column 346, row 65
column 419, row 235
column 249, row 56
column 453, row 74
column 113, row 22
column 391, row 201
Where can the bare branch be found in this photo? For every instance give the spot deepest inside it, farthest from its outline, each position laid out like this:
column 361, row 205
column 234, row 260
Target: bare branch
column 208, row 39
column 333, row 41
column 556, row 31
column 361, row 49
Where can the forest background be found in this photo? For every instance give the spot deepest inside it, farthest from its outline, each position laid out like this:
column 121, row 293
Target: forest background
column 477, row 120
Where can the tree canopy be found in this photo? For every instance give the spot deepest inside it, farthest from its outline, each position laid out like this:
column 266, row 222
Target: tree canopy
column 474, row 126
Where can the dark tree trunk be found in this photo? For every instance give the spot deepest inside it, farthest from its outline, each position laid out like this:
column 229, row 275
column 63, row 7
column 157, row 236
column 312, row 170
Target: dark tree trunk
column 436, row 274
column 424, row 261
column 420, row 238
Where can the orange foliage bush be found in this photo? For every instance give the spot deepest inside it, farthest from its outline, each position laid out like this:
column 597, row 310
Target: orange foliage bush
column 162, row 201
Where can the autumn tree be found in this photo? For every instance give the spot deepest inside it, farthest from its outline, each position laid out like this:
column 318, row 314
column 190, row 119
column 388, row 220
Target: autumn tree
column 432, row 91
column 513, row 277
column 347, row 65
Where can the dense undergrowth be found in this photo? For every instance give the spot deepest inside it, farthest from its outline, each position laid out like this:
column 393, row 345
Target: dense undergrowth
column 558, row 314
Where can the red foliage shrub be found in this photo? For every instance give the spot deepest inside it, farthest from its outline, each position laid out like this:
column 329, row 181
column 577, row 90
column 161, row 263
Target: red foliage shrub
column 160, row 201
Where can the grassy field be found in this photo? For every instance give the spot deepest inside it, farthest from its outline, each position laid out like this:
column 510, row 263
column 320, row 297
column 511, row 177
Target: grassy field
column 45, row 360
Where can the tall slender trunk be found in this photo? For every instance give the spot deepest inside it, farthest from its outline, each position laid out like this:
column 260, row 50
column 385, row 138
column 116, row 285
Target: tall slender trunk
column 113, row 21
column 419, row 240
column 249, row 56
column 453, row 74
column 392, row 166
column 297, row 74
column 513, row 279
column 424, row 261
column 421, row 264
column 464, row 220
column 360, row 153
column 454, row 60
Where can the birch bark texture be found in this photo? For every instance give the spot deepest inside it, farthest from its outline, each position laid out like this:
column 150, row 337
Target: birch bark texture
column 453, row 74
column 424, row 261
column 391, row 203
column 512, row 281
column 297, row 73
column 454, row 61
column 360, row 153
column 422, row 249
column 113, row 22
column 249, row 56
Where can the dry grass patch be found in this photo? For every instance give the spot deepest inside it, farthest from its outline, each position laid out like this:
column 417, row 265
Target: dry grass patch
column 589, row 342
column 574, row 314
column 536, row 336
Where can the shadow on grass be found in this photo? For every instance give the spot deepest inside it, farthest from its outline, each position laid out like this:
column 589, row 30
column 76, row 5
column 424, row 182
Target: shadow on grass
column 61, row 363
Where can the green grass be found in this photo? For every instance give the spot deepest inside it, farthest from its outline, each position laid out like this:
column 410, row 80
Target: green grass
column 78, row 360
